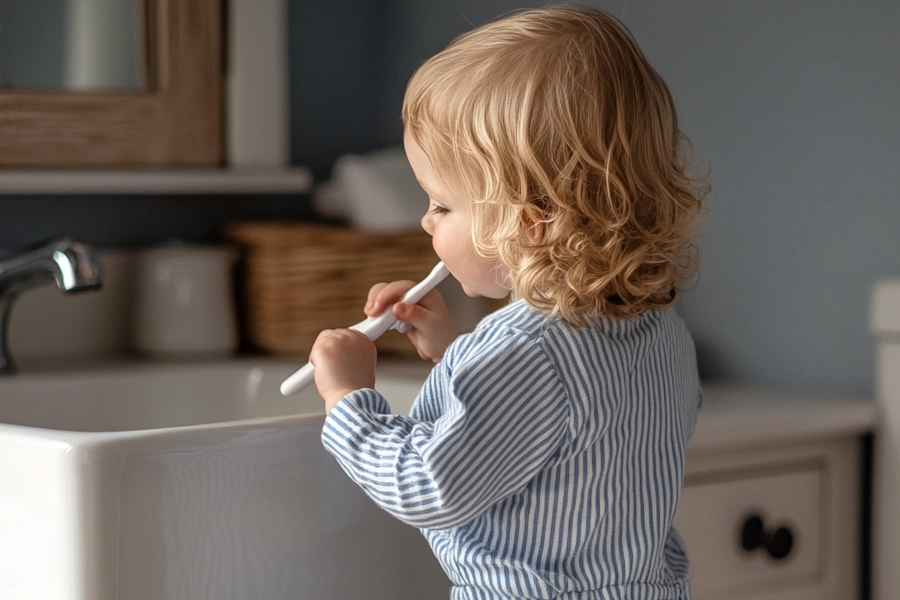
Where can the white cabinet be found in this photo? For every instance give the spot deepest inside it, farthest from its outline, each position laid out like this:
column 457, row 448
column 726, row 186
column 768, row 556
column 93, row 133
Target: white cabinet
column 771, row 506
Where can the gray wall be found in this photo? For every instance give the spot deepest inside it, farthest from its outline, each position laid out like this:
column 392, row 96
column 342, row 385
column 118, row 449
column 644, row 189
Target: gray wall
column 792, row 104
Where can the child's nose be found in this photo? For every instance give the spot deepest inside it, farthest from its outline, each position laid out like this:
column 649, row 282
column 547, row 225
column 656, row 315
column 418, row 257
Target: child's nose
column 427, row 225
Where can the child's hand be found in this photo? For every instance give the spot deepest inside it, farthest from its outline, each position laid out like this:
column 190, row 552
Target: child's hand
column 432, row 328
column 345, row 362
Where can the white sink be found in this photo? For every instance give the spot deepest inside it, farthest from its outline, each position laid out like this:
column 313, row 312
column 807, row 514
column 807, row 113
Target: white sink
column 192, row 482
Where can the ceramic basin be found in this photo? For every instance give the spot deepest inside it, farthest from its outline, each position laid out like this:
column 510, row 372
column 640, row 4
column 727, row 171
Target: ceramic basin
column 191, row 482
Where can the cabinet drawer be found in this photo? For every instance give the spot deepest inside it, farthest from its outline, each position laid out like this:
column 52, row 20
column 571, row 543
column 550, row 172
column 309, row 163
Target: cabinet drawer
column 713, row 516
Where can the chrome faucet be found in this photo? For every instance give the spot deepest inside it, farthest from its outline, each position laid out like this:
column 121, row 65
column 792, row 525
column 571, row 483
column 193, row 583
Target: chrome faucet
column 72, row 265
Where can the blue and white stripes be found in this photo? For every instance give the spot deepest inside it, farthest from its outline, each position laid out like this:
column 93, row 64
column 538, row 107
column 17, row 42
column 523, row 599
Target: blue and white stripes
column 540, row 460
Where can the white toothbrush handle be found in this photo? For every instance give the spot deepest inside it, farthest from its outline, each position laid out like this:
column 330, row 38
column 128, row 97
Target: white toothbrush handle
column 301, row 378
column 372, row 327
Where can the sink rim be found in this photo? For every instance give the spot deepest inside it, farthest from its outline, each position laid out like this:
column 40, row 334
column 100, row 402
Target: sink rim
column 72, row 437
column 118, row 367
column 401, row 369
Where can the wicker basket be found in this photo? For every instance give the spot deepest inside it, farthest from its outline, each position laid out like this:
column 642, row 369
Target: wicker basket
column 300, row 278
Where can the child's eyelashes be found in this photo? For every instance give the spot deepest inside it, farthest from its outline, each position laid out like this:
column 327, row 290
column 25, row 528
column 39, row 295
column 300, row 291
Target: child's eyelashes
column 437, row 209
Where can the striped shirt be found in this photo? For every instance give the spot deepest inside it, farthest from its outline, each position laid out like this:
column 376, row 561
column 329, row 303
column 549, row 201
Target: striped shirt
column 539, row 460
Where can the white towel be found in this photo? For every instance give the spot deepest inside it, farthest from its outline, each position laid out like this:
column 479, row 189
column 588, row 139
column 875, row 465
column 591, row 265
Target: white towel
column 376, row 192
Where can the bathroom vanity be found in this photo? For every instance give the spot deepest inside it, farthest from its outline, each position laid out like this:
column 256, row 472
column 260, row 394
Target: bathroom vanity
column 772, row 507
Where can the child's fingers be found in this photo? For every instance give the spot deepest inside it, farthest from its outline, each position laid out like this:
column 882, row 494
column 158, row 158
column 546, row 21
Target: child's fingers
column 432, row 328
column 382, row 295
column 434, row 302
column 345, row 361
column 373, row 294
column 421, row 314
column 412, row 314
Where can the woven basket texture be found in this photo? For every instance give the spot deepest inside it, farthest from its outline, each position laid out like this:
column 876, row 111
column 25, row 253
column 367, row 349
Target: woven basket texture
column 298, row 279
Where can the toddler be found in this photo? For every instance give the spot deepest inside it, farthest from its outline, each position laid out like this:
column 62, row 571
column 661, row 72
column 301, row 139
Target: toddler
column 544, row 455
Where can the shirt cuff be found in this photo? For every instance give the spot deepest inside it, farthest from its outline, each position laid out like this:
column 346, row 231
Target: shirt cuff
column 355, row 415
column 365, row 400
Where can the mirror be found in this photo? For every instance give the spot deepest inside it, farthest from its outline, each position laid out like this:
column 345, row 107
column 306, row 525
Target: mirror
column 72, row 45
column 155, row 97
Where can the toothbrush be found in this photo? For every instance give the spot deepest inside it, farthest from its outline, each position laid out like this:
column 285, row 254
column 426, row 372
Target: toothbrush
column 372, row 327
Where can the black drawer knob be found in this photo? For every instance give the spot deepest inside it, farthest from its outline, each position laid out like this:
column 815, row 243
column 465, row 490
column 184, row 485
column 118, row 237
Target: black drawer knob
column 755, row 535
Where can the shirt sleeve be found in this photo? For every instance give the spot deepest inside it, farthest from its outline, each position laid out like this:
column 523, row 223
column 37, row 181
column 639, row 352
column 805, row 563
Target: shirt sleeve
column 505, row 415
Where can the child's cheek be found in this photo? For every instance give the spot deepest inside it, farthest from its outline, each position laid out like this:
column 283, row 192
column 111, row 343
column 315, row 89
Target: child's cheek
column 439, row 243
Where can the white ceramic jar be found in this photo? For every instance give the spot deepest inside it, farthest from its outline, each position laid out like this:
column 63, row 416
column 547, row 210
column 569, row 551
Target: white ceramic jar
column 185, row 301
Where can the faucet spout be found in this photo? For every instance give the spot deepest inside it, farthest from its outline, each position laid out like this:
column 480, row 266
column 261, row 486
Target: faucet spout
column 70, row 264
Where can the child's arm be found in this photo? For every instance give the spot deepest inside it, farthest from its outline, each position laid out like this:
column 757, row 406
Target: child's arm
column 504, row 415
column 432, row 328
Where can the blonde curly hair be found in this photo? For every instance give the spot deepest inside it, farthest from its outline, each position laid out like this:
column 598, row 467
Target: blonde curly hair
column 552, row 122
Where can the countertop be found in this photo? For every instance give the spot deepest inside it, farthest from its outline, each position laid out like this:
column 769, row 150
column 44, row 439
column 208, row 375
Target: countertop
column 736, row 416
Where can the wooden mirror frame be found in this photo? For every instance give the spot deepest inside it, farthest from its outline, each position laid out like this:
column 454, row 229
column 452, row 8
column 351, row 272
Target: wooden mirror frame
column 177, row 121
